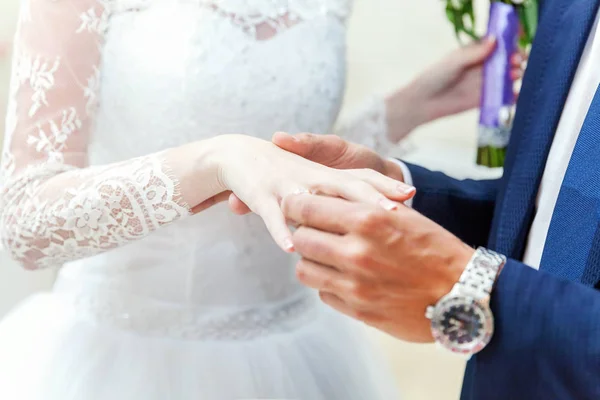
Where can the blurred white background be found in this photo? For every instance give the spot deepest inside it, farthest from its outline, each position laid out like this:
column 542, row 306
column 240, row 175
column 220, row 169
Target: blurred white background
column 390, row 41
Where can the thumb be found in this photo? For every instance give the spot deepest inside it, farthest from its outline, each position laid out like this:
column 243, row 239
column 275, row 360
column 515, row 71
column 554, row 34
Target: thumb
column 237, row 206
column 476, row 53
column 302, row 144
column 208, row 203
column 323, row 149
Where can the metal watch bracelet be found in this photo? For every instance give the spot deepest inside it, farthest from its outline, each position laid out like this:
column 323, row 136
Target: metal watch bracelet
column 481, row 273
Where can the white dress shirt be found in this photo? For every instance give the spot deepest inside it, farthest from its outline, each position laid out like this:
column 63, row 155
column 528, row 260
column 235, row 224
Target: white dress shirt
column 576, row 107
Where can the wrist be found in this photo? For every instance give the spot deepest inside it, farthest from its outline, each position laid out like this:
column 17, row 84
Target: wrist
column 220, row 157
column 392, row 170
column 457, row 263
column 195, row 169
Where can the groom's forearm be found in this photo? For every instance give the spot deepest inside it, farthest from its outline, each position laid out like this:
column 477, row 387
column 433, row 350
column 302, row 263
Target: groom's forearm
column 464, row 207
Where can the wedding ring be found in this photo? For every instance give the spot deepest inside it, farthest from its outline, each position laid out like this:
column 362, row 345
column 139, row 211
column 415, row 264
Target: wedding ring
column 302, row 191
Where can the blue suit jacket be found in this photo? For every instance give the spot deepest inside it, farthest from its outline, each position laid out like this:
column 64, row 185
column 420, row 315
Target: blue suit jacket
column 547, row 340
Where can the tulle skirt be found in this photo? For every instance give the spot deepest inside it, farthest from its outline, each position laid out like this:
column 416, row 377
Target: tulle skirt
column 47, row 352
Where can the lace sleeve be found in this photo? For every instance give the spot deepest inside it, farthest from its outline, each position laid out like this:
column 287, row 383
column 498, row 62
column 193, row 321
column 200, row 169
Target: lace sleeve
column 53, row 207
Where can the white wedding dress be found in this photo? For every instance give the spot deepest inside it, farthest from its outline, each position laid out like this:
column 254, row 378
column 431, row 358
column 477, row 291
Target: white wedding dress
column 151, row 302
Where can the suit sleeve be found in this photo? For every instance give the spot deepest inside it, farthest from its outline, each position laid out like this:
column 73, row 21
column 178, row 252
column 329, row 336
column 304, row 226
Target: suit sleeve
column 464, row 207
column 547, row 340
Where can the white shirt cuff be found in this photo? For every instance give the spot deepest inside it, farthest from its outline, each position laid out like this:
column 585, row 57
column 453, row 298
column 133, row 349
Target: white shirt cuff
column 407, row 178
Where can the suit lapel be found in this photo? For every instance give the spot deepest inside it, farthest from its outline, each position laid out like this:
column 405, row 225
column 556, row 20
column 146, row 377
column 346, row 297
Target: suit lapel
column 560, row 41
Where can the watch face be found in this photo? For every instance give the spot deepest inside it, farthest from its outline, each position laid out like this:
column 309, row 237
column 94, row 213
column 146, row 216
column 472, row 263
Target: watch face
column 462, row 325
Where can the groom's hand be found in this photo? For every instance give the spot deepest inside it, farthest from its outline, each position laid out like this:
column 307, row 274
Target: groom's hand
column 329, row 150
column 381, row 267
column 334, row 152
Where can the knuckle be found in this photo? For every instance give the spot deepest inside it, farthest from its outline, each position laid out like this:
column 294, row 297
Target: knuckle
column 369, row 172
column 301, row 271
column 361, row 315
column 309, row 246
column 336, row 139
column 362, row 186
column 360, row 256
column 339, row 144
column 370, row 219
column 359, row 291
column 367, row 317
column 326, row 297
column 307, row 212
column 363, row 190
column 328, row 284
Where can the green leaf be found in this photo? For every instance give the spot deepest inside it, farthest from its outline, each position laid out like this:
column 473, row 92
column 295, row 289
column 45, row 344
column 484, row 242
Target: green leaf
column 461, row 15
column 528, row 16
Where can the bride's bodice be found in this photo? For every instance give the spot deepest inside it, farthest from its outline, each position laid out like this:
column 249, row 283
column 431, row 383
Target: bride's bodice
column 100, row 88
column 176, row 71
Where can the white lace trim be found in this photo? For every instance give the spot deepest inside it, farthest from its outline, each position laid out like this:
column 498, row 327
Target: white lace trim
column 252, row 15
column 52, row 208
column 55, row 208
column 112, row 206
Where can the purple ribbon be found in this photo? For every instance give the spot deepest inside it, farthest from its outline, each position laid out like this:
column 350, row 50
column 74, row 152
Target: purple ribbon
column 497, row 93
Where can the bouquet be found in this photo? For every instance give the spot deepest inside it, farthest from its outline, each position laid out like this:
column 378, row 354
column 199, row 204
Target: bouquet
column 513, row 23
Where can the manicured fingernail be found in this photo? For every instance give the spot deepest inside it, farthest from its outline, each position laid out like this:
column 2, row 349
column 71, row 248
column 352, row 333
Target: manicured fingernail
column 406, row 189
column 490, row 38
column 288, row 245
column 388, row 204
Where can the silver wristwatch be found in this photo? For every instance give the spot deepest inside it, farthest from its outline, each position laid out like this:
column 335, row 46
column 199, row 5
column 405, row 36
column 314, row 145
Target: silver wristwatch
column 462, row 321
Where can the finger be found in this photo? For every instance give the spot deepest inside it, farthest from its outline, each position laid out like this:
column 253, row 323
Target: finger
column 320, row 212
column 392, row 189
column 322, row 247
column 237, row 206
column 321, row 277
column 323, row 149
column 291, row 143
column 210, row 202
column 516, row 60
column 517, row 90
column 270, row 211
column 516, row 74
column 337, row 304
column 525, row 57
column 359, row 191
column 476, row 53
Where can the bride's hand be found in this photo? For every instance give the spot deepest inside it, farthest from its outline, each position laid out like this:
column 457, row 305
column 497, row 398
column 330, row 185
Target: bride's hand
column 260, row 174
column 451, row 86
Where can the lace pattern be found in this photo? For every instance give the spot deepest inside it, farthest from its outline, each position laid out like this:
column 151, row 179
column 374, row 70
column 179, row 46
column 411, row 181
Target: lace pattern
column 111, row 206
column 255, row 17
column 258, row 11
column 54, row 208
